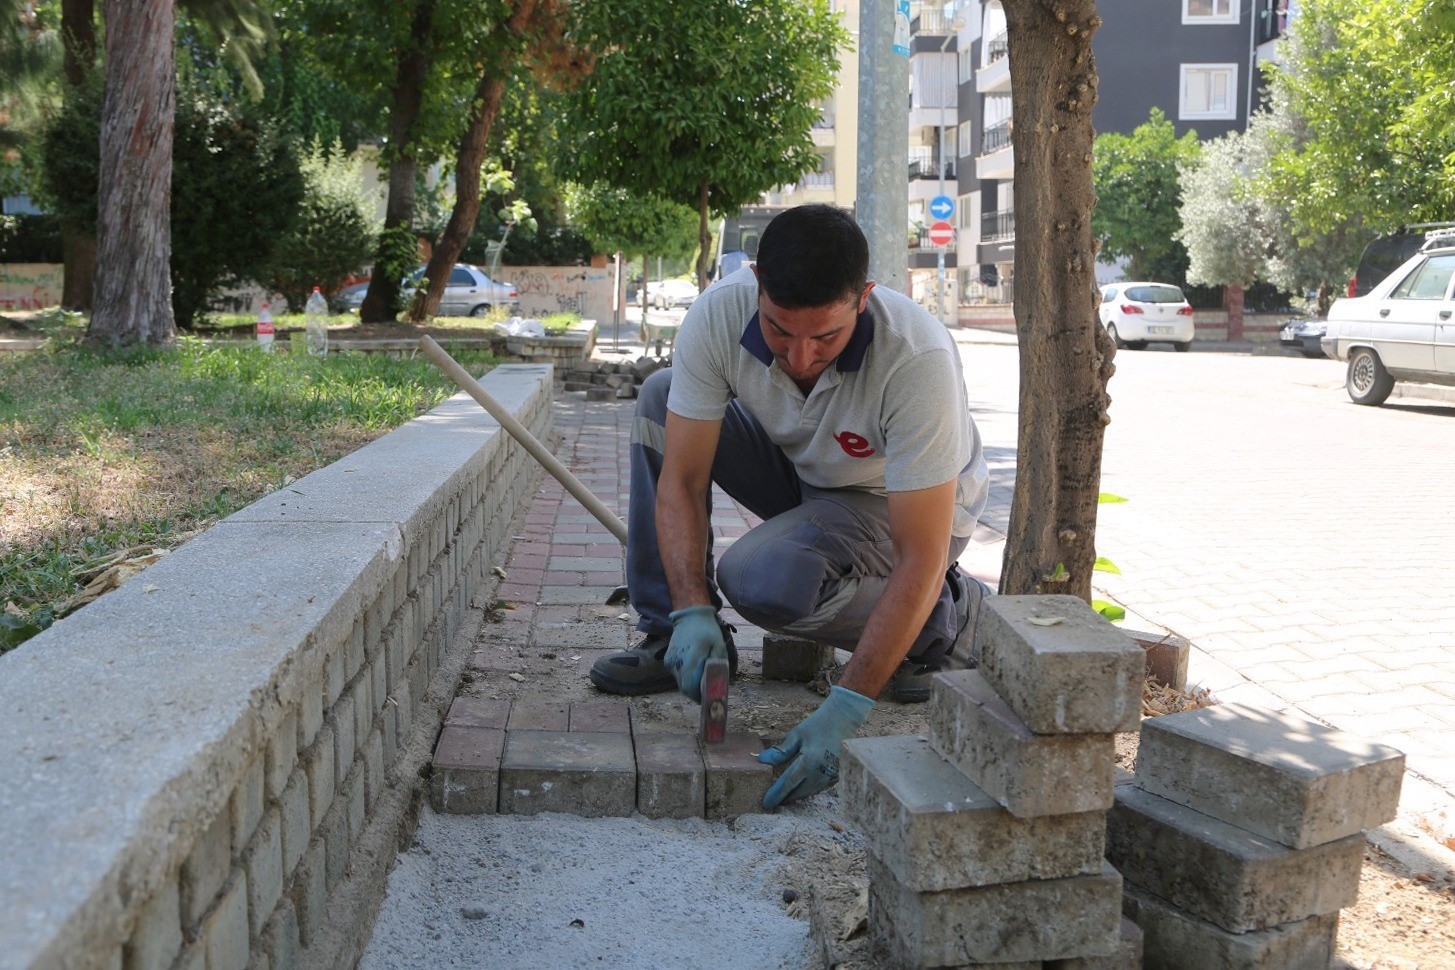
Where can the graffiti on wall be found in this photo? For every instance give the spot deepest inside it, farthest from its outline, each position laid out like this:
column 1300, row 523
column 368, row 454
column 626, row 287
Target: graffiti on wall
column 584, row 290
column 30, row 286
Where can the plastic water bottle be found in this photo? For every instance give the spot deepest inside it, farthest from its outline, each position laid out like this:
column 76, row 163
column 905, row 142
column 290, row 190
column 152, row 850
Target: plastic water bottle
column 315, row 321
column 265, row 328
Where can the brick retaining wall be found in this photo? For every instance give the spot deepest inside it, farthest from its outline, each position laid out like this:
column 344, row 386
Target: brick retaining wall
column 189, row 765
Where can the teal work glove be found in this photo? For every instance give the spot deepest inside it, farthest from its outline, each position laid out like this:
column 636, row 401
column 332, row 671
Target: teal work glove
column 815, row 742
column 696, row 639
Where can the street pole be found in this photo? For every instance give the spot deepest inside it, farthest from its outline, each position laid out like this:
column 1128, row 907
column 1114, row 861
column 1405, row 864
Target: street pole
column 943, row 98
column 882, row 189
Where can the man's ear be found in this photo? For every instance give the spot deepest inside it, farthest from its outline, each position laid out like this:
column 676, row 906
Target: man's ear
column 864, row 297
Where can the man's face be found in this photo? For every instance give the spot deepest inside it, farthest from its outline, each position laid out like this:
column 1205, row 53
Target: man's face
column 807, row 340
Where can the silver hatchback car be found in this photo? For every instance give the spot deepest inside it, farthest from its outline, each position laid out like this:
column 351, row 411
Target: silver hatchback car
column 1403, row 329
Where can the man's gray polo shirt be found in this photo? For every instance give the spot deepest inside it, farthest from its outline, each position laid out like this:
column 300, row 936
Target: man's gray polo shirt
column 890, row 415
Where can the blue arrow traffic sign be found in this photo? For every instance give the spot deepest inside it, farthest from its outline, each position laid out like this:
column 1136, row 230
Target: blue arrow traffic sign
column 942, row 207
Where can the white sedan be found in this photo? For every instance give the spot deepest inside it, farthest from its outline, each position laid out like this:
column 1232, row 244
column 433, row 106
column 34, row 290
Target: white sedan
column 1136, row 314
column 671, row 293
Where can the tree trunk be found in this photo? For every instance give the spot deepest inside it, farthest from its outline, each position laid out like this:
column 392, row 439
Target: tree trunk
column 411, row 70
column 484, row 108
column 1065, row 356
column 78, row 31
column 134, row 225
column 1233, row 300
column 704, row 238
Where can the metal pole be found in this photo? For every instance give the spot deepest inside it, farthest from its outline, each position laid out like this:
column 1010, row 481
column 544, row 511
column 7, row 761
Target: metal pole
column 882, row 189
column 943, row 98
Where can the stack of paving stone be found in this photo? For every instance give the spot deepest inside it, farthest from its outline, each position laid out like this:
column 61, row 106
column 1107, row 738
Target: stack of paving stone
column 986, row 840
column 603, row 380
column 584, row 758
column 1243, row 836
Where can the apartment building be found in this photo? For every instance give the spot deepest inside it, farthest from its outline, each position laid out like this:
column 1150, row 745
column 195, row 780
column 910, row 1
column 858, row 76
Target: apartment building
column 1197, row 60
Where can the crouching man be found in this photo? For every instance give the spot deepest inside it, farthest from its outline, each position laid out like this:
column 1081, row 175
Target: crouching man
column 837, row 413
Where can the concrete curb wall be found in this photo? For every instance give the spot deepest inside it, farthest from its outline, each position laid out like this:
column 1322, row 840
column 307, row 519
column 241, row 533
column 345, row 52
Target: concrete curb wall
column 187, row 765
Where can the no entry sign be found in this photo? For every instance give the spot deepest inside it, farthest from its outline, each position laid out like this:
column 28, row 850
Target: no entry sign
column 942, row 234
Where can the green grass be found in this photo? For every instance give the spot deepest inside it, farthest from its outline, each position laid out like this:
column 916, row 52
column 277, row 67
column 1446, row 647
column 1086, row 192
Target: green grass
column 101, row 452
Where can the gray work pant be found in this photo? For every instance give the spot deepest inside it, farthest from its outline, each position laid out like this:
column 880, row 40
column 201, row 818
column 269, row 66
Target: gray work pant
column 814, row 568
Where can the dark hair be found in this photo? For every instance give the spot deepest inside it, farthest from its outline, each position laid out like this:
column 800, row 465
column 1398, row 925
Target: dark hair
column 812, row 256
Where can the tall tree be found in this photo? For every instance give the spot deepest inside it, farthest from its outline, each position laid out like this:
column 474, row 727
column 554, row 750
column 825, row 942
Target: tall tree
column 709, row 105
column 78, row 242
column 530, row 32
column 1065, row 359
column 1137, row 196
column 617, row 221
column 134, row 221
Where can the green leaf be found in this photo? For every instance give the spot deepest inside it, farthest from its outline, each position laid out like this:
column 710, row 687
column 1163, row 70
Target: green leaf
column 1059, row 573
column 1107, row 498
column 1105, row 565
column 1109, row 610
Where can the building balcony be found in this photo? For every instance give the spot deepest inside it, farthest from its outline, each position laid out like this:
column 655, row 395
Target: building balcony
column 997, row 226
column 994, row 77
column 997, row 153
column 924, row 165
column 932, row 21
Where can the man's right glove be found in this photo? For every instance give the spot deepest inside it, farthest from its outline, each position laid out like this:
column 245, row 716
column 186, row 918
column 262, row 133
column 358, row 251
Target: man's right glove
column 816, row 743
column 696, row 638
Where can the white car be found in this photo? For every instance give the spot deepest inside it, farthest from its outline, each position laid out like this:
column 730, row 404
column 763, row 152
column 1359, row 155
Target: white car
column 1136, row 314
column 1403, row 329
column 671, row 293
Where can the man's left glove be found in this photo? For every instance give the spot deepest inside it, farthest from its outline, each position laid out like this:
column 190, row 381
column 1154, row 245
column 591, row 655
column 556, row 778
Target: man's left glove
column 696, row 639
column 815, row 743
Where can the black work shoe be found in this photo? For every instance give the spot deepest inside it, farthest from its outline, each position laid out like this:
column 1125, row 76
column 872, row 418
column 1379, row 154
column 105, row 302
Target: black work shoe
column 911, row 682
column 640, row 670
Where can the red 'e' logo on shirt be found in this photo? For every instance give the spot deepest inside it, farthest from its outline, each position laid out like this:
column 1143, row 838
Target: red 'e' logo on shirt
column 855, row 446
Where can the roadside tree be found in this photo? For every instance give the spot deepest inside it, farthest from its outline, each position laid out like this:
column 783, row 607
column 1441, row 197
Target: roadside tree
column 1137, row 197
column 707, row 105
column 1066, row 357
column 1222, row 224
column 617, row 221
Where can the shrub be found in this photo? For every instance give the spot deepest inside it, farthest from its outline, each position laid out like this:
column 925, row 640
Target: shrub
column 30, row 239
column 334, row 234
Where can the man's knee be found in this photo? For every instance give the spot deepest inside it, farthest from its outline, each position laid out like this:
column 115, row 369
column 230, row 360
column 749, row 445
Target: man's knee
column 771, row 585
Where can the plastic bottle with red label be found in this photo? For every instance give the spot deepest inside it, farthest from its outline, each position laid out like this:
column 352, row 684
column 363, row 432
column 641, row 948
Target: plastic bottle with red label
column 265, row 328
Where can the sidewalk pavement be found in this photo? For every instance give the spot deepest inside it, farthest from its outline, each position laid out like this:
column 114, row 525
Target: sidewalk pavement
column 565, row 563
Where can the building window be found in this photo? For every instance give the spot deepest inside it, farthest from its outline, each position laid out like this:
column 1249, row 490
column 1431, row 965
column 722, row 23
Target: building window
column 1209, row 12
column 1209, row 91
column 966, row 138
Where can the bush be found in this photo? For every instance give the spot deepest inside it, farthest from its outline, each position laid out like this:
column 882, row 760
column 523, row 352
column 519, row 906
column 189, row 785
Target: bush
column 333, row 235
column 30, row 239
column 547, row 246
column 236, row 186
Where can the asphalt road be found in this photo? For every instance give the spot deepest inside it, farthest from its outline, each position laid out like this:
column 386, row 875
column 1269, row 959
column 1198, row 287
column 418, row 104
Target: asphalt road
column 1304, row 544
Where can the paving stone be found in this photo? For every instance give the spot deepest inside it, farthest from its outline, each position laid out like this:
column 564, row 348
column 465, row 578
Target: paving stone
column 1060, row 665
column 470, row 710
column 1029, row 774
column 671, row 776
column 263, row 862
column 1041, row 919
column 539, row 716
column 600, row 717
column 297, row 826
column 1167, row 656
column 1127, row 956
column 1293, row 780
column 205, row 870
column 224, row 933
column 465, row 772
column 936, row 829
column 585, row 774
column 794, row 659
column 736, row 780
column 1225, row 874
column 1174, row 940
column 157, row 938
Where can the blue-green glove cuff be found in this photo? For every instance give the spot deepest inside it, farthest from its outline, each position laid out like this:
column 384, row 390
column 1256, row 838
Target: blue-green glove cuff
column 677, row 616
column 852, row 705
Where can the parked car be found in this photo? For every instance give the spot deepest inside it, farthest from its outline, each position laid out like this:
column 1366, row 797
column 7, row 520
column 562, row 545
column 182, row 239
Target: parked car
column 469, row 293
column 1403, row 329
column 349, row 299
column 1136, row 314
column 1387, row 253
column 1305, row 336
column 671, row 293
